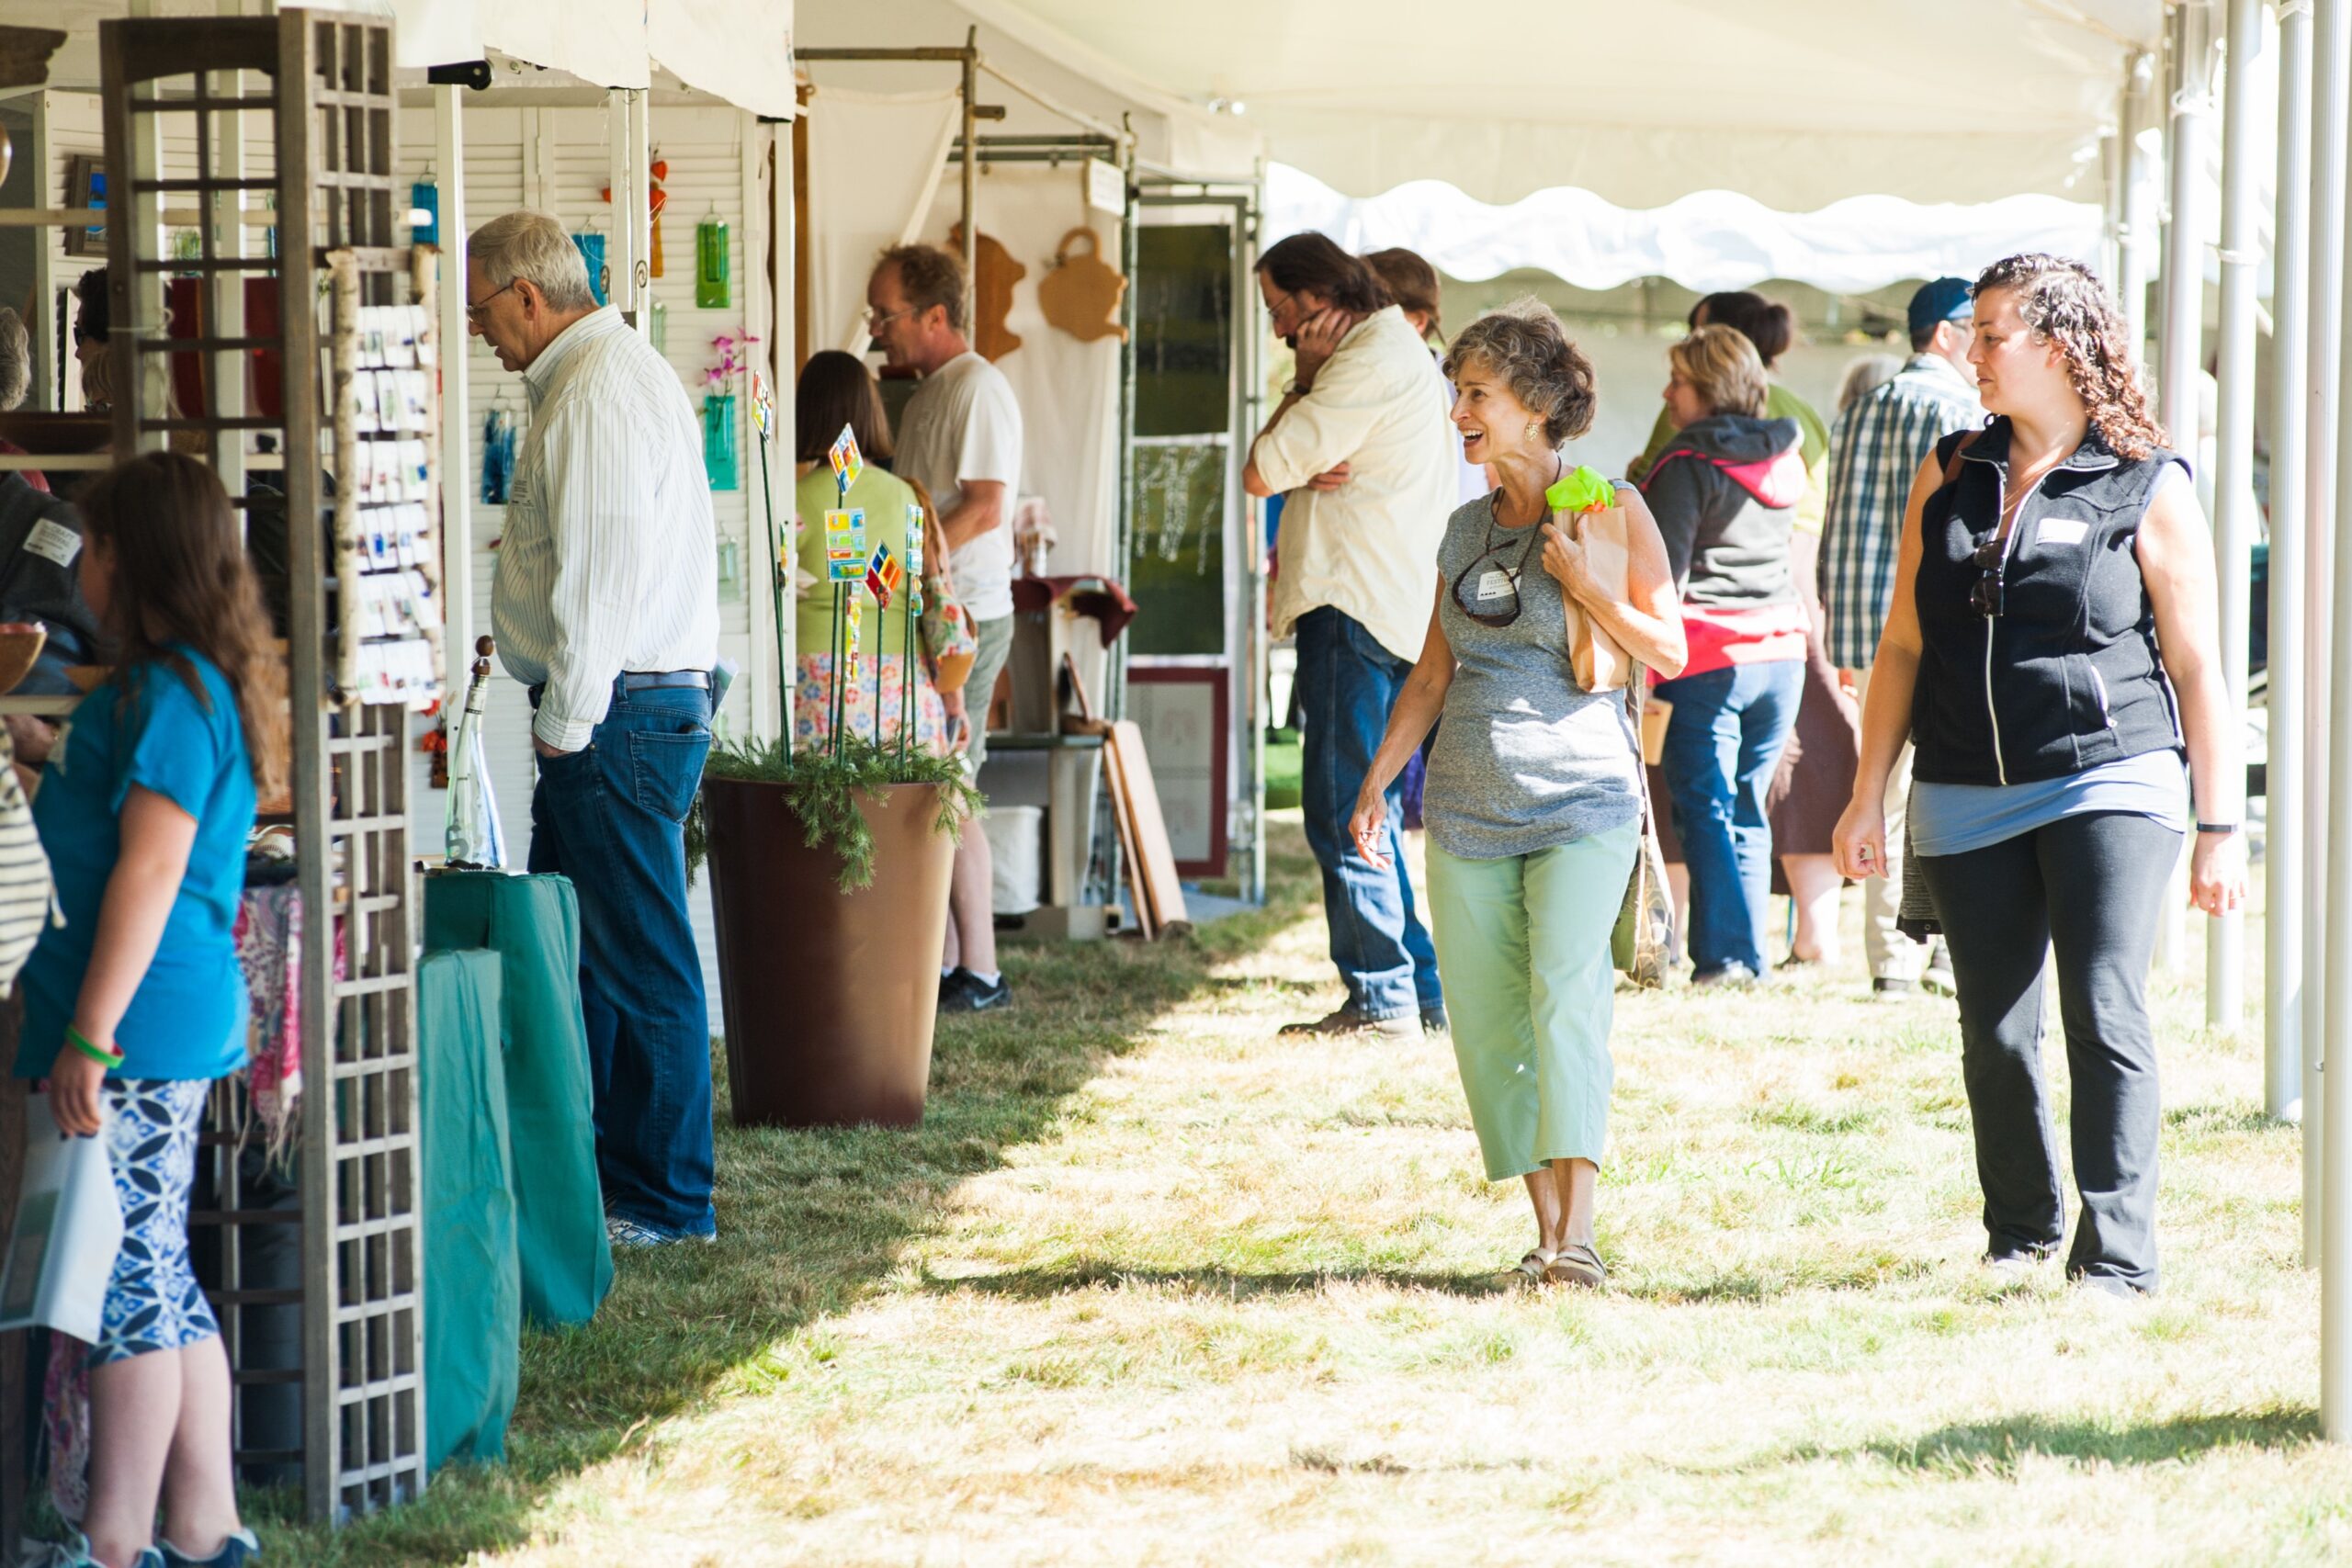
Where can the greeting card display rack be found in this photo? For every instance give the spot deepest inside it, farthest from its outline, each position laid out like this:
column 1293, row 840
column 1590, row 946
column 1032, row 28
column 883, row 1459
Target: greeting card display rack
column 321, row 82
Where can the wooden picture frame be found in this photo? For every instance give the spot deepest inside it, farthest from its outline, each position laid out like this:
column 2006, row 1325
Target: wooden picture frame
column 1187, row 739
column 85, row 186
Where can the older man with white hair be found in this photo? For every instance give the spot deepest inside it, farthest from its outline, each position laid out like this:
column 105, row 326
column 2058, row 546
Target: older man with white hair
column 607, row 607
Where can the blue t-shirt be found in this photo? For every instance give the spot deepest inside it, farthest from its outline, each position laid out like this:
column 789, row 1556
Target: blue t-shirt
column 188, row 1018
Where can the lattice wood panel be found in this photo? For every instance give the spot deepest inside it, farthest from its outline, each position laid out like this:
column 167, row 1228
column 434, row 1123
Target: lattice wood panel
column 325, row 85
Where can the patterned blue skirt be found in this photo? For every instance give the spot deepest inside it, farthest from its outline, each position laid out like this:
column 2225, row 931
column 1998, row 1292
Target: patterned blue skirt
column 152, row 1301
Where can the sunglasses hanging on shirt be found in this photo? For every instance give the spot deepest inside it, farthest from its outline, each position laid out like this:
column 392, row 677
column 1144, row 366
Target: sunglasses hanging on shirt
column 1496, row 586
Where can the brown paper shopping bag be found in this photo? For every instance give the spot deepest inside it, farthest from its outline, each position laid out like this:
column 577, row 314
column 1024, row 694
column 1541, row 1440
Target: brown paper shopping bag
column 1600, row 662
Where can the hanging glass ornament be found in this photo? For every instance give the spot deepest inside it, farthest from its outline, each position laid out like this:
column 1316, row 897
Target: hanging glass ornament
column 714, row 288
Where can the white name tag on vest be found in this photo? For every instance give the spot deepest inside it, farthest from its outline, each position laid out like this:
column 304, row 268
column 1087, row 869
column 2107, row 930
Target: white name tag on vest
column 1494, row 584
column 2061, row 531
column 54, row 542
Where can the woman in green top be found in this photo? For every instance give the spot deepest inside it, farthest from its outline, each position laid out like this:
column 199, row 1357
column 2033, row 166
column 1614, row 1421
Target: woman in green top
column 837, row 390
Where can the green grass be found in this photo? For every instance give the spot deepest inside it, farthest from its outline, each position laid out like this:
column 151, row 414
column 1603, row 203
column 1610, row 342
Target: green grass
column 1151, row 1286
column 1282, row 769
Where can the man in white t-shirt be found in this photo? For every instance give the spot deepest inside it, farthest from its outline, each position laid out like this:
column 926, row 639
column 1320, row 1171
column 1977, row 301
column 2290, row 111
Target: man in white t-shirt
column 960, row 436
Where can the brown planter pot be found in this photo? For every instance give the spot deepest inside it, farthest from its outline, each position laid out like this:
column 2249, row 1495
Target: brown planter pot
column 829, row 997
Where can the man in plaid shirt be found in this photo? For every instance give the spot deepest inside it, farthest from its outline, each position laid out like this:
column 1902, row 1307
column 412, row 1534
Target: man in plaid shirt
column 1875, row 450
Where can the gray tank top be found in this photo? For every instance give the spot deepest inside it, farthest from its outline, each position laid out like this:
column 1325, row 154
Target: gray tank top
column 1525, row 759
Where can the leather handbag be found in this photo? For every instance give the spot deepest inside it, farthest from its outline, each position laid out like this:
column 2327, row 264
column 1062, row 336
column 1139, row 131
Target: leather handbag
column 1642, row 945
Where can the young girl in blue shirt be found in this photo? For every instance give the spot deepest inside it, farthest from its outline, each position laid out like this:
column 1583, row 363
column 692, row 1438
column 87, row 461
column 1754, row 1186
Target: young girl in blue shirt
column 135, row 1004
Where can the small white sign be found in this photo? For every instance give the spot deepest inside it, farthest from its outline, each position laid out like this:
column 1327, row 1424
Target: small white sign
column 1106, row 187
column 1494, row 584
column 2061, row 531
column 53, row 541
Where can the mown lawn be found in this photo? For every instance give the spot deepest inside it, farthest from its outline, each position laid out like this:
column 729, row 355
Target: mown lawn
column 1153, row 1287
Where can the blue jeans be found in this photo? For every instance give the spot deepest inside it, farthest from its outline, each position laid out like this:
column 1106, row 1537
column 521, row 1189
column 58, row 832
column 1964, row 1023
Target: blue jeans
column 1722, row 744
column 1346, row 683
column 611, row 818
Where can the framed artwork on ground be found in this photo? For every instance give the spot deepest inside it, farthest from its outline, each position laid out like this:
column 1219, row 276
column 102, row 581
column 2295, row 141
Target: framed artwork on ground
column 85, row 186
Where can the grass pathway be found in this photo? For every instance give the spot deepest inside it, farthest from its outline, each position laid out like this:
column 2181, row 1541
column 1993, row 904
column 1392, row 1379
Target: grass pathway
column 1152, row 1286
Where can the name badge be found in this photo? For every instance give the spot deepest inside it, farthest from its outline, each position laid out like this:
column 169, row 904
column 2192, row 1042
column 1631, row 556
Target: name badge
column 1494, row 584
column 2061, row 531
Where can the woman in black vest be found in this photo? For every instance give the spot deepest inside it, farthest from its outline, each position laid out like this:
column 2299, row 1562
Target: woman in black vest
column 2051, row 653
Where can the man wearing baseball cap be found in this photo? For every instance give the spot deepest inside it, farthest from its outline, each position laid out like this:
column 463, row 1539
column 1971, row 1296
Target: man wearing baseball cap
column 1875, row 449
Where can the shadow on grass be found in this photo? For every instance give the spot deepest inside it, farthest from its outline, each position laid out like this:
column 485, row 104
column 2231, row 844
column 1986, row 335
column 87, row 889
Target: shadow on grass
column 809, row 1222
column 1996, row 1447
column 1226, row 1284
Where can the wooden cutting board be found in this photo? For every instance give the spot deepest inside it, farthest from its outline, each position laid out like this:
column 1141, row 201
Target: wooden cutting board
column 1080, row 295
column 996, row 274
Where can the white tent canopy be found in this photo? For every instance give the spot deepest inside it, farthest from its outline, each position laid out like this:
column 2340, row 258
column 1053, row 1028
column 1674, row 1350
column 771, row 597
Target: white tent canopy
column 1708, row 239
column 1795, row 105
column 1034, row 71
column 740, row 53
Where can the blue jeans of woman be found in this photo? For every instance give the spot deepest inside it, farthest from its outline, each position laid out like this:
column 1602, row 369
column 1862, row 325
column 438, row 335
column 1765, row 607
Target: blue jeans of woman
column 1346, row 683
column 611, row 816
column 1722, row 745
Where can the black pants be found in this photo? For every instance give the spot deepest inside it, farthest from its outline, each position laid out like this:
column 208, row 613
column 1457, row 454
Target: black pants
column 2089, row 889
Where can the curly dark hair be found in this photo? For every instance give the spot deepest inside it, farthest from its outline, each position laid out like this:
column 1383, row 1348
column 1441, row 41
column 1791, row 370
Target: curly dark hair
column 1525, row 345
column 2063, row 302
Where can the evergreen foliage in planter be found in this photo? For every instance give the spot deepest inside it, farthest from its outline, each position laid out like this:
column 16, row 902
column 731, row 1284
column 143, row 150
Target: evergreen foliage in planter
column 823, row 789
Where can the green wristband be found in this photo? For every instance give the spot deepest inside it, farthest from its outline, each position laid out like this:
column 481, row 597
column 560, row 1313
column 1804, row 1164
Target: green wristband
column 80, row 1042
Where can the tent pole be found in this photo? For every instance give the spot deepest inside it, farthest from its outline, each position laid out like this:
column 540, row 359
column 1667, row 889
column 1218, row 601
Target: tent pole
column 2140, row 225
column 2336, row 1203
column 457, row 479
column 2188, row 79
column 2331, row 122
column 971, row 172
column 2284, row 881
column 2233, row 456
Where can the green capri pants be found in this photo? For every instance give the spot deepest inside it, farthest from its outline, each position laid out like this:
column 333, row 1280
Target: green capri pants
column 1522, row 947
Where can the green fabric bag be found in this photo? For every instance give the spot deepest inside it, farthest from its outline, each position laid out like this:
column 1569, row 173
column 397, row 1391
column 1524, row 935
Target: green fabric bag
column 473, row 1325
column 533, row 922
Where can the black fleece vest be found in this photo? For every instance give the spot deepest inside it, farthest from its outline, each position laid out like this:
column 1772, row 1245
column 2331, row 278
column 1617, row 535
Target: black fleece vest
column 2067, row 676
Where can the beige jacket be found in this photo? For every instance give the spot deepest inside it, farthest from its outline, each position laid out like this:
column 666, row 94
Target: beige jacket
column 1368, row 548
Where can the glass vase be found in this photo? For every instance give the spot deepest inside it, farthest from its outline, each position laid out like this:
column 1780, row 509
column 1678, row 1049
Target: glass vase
column 713, row 282
column 719, row 440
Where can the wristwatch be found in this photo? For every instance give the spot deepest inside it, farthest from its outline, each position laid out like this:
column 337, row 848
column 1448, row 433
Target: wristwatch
column 2221, row 827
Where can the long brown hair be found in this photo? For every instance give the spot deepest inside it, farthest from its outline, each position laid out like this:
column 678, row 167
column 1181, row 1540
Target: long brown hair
column 1315, row 261
column 2063, row 302
column 837, row 389
column 180, row 578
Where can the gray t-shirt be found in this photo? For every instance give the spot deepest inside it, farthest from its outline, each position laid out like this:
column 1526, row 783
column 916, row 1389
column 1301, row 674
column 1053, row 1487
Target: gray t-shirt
column 1525, row 759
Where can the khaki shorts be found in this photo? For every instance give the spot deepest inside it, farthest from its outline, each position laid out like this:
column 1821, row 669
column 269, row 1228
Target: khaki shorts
column 979, row 688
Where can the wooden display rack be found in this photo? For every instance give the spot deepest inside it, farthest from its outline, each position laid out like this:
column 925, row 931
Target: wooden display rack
column 323, row 82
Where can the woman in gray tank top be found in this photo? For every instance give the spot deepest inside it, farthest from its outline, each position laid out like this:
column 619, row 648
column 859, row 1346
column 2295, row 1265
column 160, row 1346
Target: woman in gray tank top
column 1533, row 801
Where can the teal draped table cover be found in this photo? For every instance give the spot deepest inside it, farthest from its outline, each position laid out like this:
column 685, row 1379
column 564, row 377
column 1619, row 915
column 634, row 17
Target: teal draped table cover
column 533, row 924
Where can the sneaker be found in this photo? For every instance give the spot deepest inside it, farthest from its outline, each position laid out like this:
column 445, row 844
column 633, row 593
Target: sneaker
column 964, row 991
column 1885, row 986
column 1434, row 1022
column 1935, row 980
column 629, row 1235
column 1729, row 974
column 73, row 1551
column 2015, row 1267
column 1347, row 1021
column 235, row 1552
column 2107, row 1288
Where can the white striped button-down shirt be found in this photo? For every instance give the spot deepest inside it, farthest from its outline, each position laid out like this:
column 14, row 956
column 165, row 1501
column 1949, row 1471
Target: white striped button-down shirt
column 609, row 562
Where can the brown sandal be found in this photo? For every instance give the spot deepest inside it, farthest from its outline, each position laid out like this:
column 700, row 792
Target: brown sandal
column 1575, row 1263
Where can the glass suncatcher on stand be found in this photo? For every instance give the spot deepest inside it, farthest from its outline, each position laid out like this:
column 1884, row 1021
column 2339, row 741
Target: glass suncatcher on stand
column 473, row 839
column 846, row 565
